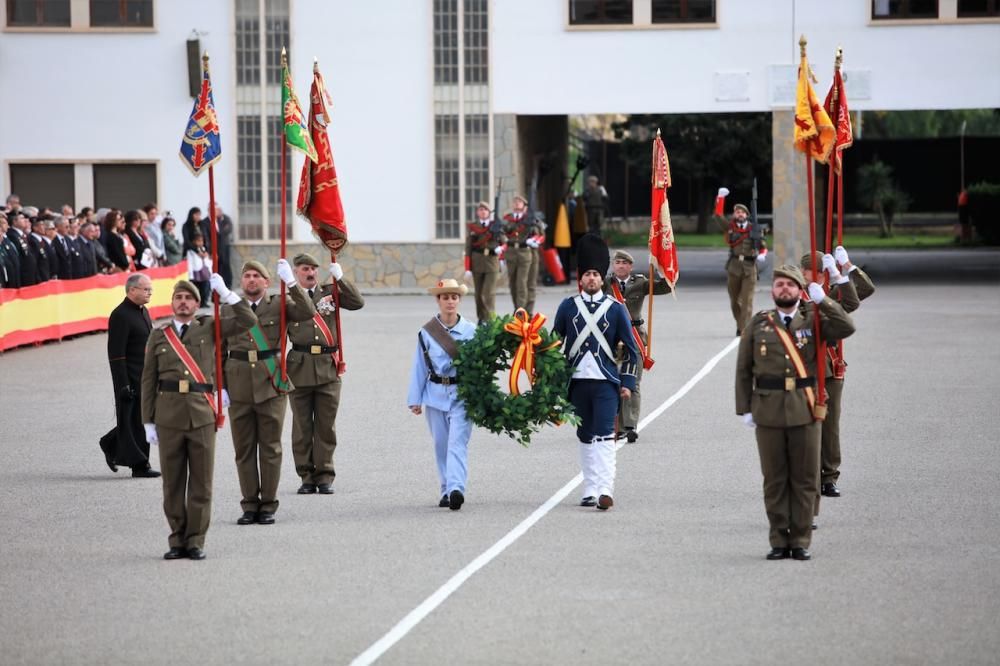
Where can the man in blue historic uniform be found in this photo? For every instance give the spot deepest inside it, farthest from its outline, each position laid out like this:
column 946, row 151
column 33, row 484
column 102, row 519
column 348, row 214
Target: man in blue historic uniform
column 434, row 390
column 592, row 325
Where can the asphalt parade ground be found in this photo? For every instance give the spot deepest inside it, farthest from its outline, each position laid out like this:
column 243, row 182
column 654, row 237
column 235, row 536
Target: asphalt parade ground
column 904, row 565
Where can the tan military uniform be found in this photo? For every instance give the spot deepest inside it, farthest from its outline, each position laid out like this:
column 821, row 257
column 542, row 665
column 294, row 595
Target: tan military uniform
column 185, row 423
column 257, row 412
column 635, row 292
column 481, row 250
column 316, row 397
column 518, row 229
column 788, row 439
column 741, row 273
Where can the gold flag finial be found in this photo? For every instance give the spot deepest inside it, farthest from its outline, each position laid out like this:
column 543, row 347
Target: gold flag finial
column 657, row 132
column 315, row 64
column 802, row 46
column 840, row 58
column 284, row 57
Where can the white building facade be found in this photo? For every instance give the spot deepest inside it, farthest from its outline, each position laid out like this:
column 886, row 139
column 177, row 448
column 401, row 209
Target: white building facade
column 433, row 100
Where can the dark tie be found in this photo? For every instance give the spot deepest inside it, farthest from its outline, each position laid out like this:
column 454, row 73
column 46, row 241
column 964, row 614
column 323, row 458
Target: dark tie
column 623, row 287
column 253, row 306
column 184, row 329
column 788, row 322
column 310, row 293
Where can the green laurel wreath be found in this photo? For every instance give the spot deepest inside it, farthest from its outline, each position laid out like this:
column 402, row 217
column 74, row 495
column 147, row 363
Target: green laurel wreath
column 518, row 416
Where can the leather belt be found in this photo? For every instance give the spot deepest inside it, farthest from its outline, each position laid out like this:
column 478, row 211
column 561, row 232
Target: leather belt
column 785, row 383
column 638, row 322
column 446, row 381
column 185, row 386
column 315, row 350
column 749, row 258
column 522, row 245
column 485, row 251
column 253, row 355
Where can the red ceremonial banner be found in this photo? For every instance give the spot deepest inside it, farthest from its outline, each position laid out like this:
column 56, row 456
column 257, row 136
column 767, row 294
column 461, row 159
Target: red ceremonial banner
column 58, row 308
column 662, row 249
column 319, row 192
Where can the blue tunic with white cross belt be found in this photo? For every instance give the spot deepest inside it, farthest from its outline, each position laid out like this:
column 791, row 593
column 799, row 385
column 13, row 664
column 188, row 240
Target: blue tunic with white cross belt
column 591, row 328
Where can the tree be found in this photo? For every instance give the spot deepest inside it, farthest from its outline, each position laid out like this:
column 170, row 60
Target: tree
column 878, row 191
column 712, row 149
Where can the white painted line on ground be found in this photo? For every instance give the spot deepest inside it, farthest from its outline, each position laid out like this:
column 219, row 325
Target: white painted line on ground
column 414, row 617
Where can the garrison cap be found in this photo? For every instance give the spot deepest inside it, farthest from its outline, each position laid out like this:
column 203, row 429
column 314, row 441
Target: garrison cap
column 809, row 261
column 483, row 204
column 254, row 265
column 622, row 254
column 742, row 208
column 521, row 197
column 791, row 272
column 305, row 259
column 184, row 285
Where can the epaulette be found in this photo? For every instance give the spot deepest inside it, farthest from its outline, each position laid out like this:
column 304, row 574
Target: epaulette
column 201, row 318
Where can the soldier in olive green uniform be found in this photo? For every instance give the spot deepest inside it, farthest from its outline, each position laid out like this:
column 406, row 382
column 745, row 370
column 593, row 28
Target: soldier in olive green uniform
column 849, row 289
column 742, row 266
column 253, row 379
column 521, row 231
column 483, row 237
column 773, row 395
column 177, row 416
column 313, row 369
column 633, row 289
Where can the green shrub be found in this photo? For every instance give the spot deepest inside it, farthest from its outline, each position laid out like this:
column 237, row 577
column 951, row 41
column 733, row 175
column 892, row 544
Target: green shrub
column 984, row 211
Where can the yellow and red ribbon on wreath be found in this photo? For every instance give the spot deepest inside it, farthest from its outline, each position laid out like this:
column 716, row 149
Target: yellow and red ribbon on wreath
column 524, row 358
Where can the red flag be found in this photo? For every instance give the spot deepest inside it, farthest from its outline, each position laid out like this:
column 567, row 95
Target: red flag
column 319, row 193
column 662, row 249
column 836, row 107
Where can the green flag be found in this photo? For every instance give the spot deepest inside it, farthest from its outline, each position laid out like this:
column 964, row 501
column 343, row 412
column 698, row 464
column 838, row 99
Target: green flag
column 296, row 130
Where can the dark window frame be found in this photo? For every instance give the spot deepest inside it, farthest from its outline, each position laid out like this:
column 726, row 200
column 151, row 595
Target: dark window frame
column 685, row 15
column 123, row 15
column 601, row 18
column 905, row 13
column 39, row 21
column 992, row 10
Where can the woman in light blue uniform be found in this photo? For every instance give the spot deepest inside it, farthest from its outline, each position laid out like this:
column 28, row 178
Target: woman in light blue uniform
column 433, row 387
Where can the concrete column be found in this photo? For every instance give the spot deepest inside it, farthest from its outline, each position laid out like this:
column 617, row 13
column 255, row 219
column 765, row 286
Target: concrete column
column 790, row 201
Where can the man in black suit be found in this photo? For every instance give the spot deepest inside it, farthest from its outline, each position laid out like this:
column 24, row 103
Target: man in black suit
column 38, row 247
column 63, row 250
column 78, row 263
column 18, row 236
column 10, row 265
column 129, row 327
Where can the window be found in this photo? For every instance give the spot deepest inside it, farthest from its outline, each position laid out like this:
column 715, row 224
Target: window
column 445, row 41
column 600, row 12
column 121, row 13
column 123, row 186
column 977, row 8
column 48, row 13
column 260, row 36
column 904, row 9
column 462, row 136
column 43, row 185
column 683, row 11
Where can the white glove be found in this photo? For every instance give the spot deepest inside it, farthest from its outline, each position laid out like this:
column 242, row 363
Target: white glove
column 336, row 272
column 285, row 272
column 468, row 275
column 723, row 192
column 816, row 293
column 219, row 287
column 151, row 435
column 761, row 258
column 829, row 264
column 225, row 399
column 841, row 255
column 748, row 420
column 503, row 266
column 531, row 242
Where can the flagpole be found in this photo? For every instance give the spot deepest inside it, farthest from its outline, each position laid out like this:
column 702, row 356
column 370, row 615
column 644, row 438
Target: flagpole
column 283, row 326
column 214, row 238
column 820, row 348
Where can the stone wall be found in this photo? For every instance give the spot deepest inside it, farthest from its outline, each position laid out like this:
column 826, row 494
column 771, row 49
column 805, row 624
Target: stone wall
column 373, row 265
